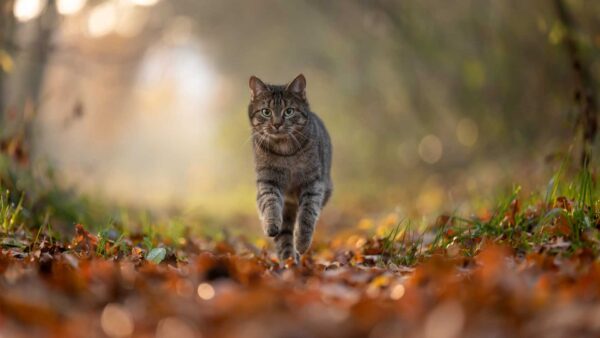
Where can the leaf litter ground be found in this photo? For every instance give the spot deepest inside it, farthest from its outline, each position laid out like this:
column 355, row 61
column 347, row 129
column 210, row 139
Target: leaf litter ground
column 530, row 272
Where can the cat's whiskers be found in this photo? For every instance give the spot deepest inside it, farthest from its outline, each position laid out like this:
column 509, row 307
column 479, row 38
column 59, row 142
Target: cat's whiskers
column 262, row 140
column 295, row 139
column 300, row 135
column 259, row 140
column 249, row 138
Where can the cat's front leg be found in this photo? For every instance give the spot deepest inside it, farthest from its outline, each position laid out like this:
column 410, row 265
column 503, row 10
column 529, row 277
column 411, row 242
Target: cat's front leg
column 270, row 206
column 284, row 241
column 310, row 203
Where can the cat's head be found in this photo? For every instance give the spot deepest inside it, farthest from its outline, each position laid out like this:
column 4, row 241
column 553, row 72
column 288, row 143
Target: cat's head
column 279, row 113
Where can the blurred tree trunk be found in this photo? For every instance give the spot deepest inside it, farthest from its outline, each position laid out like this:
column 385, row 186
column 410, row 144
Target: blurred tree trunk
column 7, row 24
column 28, row 49
column 41, row 49
column 585, row 93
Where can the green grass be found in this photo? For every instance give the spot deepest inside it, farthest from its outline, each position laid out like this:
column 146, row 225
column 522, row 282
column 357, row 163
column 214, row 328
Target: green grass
column 525, row 225
column 9, row 212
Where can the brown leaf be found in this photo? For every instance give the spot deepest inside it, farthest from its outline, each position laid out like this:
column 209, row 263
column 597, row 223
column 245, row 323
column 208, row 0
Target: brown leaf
column 84, row 240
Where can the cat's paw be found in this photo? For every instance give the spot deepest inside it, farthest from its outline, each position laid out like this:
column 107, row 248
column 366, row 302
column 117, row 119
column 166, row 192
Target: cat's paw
column 272, row 228
column 289, row 258
column 287, row 254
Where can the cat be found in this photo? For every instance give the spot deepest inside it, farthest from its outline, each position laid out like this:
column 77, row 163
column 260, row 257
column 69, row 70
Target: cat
column 292, row 155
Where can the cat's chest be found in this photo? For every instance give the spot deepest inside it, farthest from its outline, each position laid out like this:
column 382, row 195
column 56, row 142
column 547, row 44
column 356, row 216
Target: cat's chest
column 299, row 169
column 300, row 172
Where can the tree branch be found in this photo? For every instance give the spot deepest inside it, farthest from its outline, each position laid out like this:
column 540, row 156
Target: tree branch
column 585, row 93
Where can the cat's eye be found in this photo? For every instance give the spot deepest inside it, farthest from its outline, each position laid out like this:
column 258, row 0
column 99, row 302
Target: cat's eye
column 289, row 112
column 265, row 112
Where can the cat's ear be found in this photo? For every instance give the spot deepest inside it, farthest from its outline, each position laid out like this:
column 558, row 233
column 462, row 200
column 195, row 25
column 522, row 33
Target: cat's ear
column 257, row 87
column 298, row 86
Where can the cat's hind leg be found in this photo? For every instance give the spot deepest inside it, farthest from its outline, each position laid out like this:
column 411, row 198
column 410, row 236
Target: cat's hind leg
column 284, row 241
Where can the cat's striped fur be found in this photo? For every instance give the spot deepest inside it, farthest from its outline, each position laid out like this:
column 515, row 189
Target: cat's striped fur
column 292, row 152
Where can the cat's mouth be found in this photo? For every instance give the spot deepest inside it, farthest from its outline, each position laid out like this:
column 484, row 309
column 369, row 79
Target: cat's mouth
column 278, row 135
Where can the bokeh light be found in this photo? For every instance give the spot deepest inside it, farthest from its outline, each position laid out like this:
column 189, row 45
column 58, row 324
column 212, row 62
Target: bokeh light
column 103, row 19
column 397, row 292
column 206, row 291
column 145, row 3
column 116, row 321
column 25, row 10
column 70, row 7
column 430, row 149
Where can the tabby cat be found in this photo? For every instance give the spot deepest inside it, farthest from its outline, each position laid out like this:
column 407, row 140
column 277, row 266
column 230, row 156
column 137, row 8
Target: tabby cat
column 292, row 153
